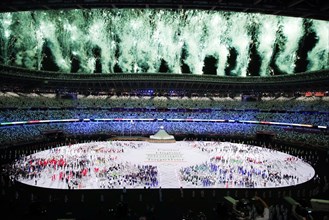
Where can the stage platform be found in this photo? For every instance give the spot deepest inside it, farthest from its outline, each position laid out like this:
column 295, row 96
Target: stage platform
column 139, row 138
column 129, row 138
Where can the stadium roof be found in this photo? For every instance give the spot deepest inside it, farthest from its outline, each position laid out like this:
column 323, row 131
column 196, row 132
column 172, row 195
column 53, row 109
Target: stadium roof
column 316, row 9
column 163, row 83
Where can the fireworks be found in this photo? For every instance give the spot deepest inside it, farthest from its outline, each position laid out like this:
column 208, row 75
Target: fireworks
column 141, row 40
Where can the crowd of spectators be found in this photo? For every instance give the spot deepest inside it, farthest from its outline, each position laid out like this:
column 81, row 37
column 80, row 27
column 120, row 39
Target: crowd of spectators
column 311, row 118
column 33, row 106
column 48, row 100
column 23, row 133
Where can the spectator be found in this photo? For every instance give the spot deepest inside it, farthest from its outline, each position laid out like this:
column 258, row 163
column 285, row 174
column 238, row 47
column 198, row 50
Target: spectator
column 262, row 209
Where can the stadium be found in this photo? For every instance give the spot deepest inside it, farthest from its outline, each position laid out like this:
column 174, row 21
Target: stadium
column 164, row 109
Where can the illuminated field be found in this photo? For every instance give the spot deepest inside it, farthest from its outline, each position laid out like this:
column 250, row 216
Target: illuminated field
column 138, row 164
column 134, row 40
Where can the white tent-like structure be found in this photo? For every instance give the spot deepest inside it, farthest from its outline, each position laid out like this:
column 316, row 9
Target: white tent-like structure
column 162, row 135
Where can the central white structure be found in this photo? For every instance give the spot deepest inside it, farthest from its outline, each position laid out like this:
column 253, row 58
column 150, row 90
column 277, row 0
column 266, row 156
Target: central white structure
column 162, row 135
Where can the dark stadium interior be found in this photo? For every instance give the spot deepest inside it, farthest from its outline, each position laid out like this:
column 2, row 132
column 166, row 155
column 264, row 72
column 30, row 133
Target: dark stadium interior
column 284, row 112
column 300, row 8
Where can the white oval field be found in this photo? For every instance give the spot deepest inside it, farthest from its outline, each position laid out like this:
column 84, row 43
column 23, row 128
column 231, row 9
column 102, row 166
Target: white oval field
column 138, row 164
